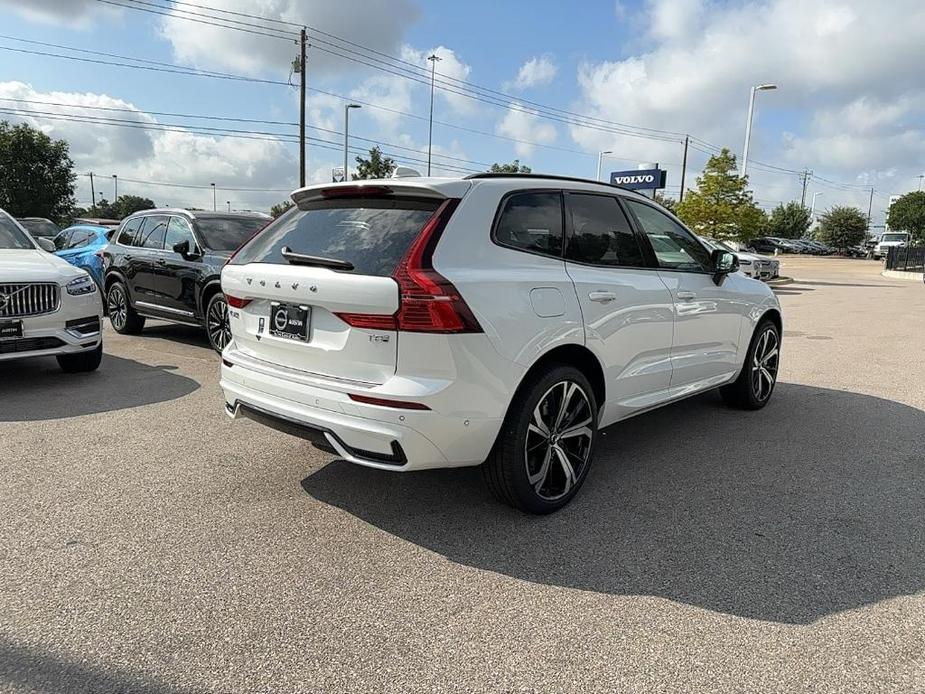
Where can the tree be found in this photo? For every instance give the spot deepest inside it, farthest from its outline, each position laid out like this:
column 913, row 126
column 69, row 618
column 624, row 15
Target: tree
column 36, row 173
column 842, row 227
column 669, row 204
column 279, row 208
column 514, row 167
column 790, row 221
column 722, row 206
column 130, row 204
column 908, row 214
column 377, row 166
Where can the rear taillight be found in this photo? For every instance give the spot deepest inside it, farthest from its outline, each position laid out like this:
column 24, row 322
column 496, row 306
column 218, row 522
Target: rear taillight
column 428, row 302
column 236, row 302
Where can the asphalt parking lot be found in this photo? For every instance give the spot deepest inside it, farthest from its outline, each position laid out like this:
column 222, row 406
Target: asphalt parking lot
column 150, row 544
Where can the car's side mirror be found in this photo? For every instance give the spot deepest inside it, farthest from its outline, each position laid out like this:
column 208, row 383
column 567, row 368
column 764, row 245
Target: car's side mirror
column 45, row 244
column 723, row 263
column 183, row 248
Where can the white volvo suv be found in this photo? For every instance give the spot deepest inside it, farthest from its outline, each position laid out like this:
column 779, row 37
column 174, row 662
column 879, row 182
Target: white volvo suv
column 497, row 320
column 47, row 306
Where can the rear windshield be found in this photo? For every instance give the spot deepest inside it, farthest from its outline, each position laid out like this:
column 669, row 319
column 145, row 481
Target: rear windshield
column 371, row 233
column 227, row 233
column 40, row 227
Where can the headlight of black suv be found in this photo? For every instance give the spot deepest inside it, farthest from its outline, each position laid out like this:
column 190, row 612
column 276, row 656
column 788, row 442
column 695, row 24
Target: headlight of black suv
column 82, row 285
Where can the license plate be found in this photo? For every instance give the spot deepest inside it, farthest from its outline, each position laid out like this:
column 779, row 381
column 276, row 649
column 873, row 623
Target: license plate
column 10, row 328
column 290, row 321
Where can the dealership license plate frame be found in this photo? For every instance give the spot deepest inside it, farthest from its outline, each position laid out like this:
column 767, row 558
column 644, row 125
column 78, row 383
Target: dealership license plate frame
column 10, row 329
column 291, row 330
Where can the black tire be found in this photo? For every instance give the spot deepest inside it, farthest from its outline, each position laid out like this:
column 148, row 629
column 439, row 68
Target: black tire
column 81, row 361
column 751, row 390
column 522, row 450
column 122, row 316
column 217, row 330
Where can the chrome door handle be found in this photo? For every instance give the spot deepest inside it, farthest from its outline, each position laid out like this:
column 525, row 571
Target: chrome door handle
column 686, row 296
column 602, row 297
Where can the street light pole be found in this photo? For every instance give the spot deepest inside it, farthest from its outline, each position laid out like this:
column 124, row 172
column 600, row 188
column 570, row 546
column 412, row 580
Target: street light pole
column 213, row 196
column 812, row 209
column 430, row 127
column 115, row 187
column 228, row 202
column 748, row 122
column 347, row 134
column 600, row 161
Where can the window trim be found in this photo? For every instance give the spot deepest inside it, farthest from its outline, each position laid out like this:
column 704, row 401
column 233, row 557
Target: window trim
column 570, row 229
column 526, row 191
column 648, row 243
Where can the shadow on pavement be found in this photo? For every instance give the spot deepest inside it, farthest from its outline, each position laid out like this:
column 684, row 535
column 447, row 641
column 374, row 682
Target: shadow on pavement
column 177, row 332
column 40, row 671
column 36, row 389
column 811, row 506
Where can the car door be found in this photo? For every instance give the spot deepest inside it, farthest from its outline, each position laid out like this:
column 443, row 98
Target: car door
column 627, row 310
column 146, row 261
column 707, row 316
column 178, row 279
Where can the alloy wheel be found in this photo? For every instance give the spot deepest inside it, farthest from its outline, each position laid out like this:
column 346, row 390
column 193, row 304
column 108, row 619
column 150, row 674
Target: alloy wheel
column 117, row 308
column 217, row 324
column 764, row 364
column 558, row 443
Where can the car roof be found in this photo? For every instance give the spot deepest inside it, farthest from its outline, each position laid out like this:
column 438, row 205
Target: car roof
column 456, row 187
column 88, row 227
column 199, row 214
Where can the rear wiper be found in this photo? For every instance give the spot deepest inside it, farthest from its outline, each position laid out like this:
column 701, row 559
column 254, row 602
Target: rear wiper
column 319, row 261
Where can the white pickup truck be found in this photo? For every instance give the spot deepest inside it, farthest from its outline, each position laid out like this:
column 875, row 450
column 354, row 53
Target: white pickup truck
column 891, row 239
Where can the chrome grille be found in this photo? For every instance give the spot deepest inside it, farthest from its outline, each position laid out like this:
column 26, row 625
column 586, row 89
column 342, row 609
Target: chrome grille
column 32, row 299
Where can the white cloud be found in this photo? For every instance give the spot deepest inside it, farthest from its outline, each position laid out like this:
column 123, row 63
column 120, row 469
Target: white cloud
column 523, row 124
column 849, row 73
column 72, row 13
column 535, row 72
column 183, row 157
column 374, row 24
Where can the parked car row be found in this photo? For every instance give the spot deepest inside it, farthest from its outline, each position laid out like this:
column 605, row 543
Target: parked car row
column 759, row 267
column 774, row 244
column 496, row 320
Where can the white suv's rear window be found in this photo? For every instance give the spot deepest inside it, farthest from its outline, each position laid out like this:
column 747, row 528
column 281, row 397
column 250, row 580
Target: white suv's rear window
column 370, row 233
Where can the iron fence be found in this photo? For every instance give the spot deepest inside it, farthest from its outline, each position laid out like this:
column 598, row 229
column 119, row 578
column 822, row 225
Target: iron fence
column 906, row 259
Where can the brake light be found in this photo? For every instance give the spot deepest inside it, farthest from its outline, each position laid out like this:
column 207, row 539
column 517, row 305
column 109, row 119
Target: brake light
column 236, row 302
column 383, row 402
column 428, row 302
column 354, row 191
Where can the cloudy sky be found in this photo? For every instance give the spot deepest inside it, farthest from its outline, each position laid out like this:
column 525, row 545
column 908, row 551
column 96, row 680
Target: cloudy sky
column 536, row 80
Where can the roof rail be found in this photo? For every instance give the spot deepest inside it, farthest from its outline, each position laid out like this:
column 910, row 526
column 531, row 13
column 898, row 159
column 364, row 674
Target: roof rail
column 554, row 177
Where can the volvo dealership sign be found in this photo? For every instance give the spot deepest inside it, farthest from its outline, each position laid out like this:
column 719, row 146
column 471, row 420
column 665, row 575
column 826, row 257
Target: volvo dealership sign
column 645, row 179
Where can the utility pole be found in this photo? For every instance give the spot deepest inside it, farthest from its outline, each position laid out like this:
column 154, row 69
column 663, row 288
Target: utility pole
column 347, row 135
column 870, row 209
column 920, row 177
column 302, row 72
column 684, row 167
column 806, row 175
column 92, row 192
column 430, row 128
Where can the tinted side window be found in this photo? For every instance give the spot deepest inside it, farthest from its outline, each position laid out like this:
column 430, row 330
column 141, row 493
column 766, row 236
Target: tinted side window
column 532, row 222
column 601, row 234
column 61, row 240
column 675, row 247
column 78, row 239
column 129, row 231
column 178, row 230
column 152, row 236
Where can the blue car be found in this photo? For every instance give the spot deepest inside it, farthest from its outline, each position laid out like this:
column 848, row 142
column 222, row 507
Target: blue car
column 82, row 245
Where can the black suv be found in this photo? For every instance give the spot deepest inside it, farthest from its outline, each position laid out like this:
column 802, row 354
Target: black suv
column 166, row 265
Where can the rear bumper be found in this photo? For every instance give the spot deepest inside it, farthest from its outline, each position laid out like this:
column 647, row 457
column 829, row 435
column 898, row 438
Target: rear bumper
column 381, row 437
